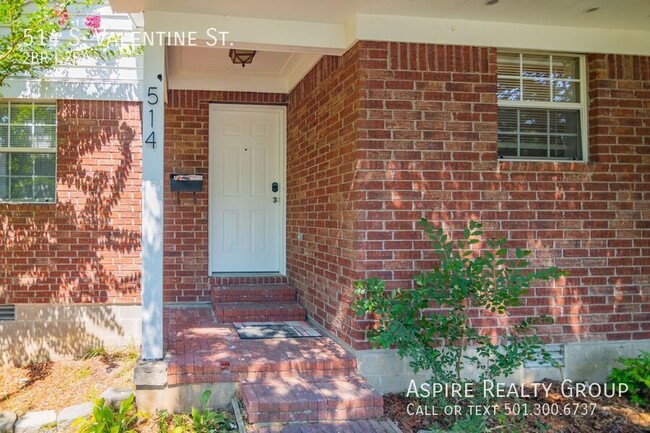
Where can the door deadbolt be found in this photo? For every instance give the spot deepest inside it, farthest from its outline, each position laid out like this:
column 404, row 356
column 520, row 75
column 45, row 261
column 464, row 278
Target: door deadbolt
column 274, row 187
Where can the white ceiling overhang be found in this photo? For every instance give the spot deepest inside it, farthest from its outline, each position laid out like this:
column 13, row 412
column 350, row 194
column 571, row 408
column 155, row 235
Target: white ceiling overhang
column 298, row 32
column 210, row 68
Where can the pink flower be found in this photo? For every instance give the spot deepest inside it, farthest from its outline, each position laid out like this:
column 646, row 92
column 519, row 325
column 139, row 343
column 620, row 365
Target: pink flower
column 63, row 18
column 93, row 22
column 61, row 15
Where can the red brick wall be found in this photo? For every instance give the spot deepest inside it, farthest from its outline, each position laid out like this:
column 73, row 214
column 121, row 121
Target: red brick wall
column 426, row 146
column 428, row 130
column 428, row 143
column 440, row 162
column 186, row 223
column 85, row 247
column 321, row 162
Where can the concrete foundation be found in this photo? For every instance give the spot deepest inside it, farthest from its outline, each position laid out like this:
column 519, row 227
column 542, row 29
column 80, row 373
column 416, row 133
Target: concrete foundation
column 181, row 398
column 55, row 332
column 588, row 361
column 152, row 392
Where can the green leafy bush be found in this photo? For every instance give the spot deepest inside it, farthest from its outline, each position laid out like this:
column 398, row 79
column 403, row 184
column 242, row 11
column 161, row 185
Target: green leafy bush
column 636, row 375
column 107, row 419
column 438, row 340
column 431, row 324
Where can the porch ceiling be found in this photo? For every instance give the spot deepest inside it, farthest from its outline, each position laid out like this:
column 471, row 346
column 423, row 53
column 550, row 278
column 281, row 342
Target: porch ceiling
column 210, row 68
column 291, row 35
column 620, row 14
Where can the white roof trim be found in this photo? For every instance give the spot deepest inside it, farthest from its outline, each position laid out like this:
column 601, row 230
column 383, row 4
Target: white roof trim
column 501, row 35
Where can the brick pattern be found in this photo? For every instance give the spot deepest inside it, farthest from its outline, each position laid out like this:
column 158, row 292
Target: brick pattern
column 618, row 112
column 203, row 351
column 435, row 156
column 280, row 380
column 228, row 312
column 365, row 426
column 256, row 303
column 425, row 146
column 216, row 281
column 321, row 120
column 428, row 131
column 254, row 293
column 298, row 399
column 85, row 248
column 186, row 223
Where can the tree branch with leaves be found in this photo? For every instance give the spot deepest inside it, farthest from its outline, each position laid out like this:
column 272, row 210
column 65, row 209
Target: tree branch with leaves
column 37, row 36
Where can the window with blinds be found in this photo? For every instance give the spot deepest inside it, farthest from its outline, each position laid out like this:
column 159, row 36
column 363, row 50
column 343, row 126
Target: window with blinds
column 27, row 152
column 542, row 109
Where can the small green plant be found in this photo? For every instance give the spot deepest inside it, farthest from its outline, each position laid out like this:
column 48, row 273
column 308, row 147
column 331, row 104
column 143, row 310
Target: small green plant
column 162, row 421
column 92, row 394
column 206, row 420
column 172, row 423
column 181, row 423
column 468, row 424
column 49, row 426
column 199, row 421
column 432, row 323
column 95, row 352
column 636, row 375
column 107, row 419
column 130, row 357
column 82, row 373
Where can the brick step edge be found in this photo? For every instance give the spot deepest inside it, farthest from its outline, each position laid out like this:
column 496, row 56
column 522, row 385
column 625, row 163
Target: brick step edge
column 309, row 400
column 356, row 426
column 181, row 375
column 320, row 368
column 254, row 293
column 229, row 312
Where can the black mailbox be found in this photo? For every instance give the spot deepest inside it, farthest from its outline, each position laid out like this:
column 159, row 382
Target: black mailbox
column 186, row 182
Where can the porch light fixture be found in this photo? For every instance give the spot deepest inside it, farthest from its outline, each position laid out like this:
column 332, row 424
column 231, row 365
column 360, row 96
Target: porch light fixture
column 242, row 57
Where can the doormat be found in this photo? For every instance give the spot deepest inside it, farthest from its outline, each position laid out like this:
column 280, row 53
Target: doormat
column 261, row 331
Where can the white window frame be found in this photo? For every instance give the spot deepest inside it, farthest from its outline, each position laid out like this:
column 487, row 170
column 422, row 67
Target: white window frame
column 581, row 106
column 40, row 150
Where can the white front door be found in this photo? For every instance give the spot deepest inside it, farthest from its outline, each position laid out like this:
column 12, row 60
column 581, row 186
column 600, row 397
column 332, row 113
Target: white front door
column 246, row 188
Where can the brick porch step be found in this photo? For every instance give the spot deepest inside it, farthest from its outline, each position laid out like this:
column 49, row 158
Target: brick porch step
column 254, row 293
column 228, row 312
column 300, row 399
column 360, row 426
column 203, row 351
column 317, row 358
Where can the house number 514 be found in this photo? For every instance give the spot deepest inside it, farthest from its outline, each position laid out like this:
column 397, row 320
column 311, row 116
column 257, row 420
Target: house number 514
column 152, row 99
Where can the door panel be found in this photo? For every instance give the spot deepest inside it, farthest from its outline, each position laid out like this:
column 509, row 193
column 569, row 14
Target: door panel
column 245, row 147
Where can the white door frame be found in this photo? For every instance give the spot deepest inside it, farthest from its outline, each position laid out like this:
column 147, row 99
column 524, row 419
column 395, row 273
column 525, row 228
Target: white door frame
column 282, row 110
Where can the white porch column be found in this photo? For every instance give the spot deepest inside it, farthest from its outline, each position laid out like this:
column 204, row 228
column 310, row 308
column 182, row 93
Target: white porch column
column 153, row 105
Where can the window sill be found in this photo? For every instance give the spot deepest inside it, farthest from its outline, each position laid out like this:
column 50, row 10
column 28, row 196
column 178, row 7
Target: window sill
column 562, row 161
column 544, row 166
column 19, row 203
